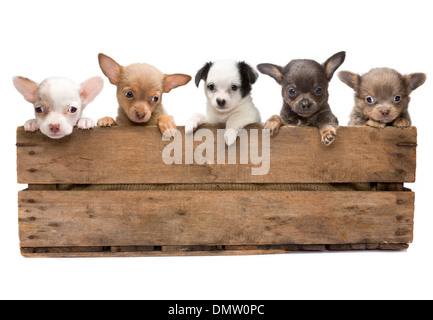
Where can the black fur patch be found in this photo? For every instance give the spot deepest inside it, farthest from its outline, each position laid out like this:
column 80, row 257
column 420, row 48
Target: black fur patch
column 248, row 76
column 202, row 73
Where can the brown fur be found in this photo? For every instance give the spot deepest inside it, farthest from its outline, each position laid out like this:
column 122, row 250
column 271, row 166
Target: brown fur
column 273, row 124
column 383, row 85
column 146, row 83
column 308, row 106
column 328, row 134
column 45, row 102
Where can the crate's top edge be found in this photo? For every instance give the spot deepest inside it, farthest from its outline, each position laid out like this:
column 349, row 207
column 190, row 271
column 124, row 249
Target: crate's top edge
column 251, row 126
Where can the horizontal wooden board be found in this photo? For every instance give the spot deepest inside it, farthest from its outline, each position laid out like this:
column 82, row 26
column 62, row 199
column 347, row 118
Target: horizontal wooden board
column 133, row 155
column 147, row 251
column 210, row 218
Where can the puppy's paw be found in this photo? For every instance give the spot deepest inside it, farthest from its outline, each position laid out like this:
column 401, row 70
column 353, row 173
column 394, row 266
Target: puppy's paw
column 191, row 126
column 230, row 136
column 86, row 123
column 375, row 124
column 106, row 122
column 401, row 123
column 328, row 135
column 167, row 126
column 31, row 125
column 272, row 126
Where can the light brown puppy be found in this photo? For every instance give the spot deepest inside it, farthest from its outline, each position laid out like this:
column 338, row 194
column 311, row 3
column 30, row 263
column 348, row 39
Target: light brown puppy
column 382, row 97
column 139, row 93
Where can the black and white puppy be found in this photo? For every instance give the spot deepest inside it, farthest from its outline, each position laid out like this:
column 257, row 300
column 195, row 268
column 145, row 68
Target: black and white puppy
column 228, row 85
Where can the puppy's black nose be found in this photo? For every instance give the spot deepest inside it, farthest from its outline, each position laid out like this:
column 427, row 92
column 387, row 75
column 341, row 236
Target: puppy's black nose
column 221, row 102
column 306, row 104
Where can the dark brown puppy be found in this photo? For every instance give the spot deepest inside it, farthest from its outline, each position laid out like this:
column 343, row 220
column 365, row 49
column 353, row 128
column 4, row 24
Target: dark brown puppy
column 382, row 97
column 305, row 95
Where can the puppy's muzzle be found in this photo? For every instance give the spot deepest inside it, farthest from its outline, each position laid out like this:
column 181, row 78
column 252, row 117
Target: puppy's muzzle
column 385, row 112
column 221, row 103
column 140, row 115
column 306, row 104
column 54, row 128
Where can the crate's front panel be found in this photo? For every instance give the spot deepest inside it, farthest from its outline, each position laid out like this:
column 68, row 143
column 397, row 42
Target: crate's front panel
column 208, row 218
column 134, row 155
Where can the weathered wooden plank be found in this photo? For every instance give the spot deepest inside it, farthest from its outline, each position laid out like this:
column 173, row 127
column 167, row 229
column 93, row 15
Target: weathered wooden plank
column 134, row 155
column 209, row 218
column 77, row 252
column 126, row 252
column 368, row 246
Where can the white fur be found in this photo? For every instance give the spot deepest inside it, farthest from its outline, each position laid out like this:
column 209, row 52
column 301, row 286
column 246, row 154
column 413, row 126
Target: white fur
column 238, row 112
column 31, row 125
column 58, row 96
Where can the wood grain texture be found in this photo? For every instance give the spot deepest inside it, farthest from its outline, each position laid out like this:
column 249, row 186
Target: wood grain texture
column 134, row 155
column 209, row 218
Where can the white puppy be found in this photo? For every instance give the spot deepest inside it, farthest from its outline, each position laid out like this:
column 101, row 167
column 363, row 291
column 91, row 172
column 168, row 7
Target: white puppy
column 58, row 103
column 228, row 85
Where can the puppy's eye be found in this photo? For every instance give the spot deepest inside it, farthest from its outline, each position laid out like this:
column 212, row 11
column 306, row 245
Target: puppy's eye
column 397, row 98
column 318, row 91
column 72, row 110
column 155, row 99
column 370, row 100
column 292, row 92
column 129, row 94
column 39, row 110
column 234, row 87
column 211, row 87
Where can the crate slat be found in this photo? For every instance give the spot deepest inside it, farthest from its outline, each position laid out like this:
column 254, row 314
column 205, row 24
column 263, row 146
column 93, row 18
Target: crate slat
column 77, row 252
column 133, row 155
column 210, row 218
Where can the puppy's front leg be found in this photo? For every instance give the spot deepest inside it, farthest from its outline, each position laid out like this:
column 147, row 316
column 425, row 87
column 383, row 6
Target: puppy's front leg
column 273, row 124
column 31, row 125
column 328, row 126
column 167, row 126
column 86, row 123
column 328, row 134
column 401, row 123
column 106, row 122
column 236, row 122
column 375, row 124
column 194, row 122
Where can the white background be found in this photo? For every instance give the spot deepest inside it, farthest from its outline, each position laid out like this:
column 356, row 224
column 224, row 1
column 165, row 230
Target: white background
column 43, row 38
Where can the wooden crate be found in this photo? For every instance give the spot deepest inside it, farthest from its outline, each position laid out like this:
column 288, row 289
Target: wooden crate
column 107, row 192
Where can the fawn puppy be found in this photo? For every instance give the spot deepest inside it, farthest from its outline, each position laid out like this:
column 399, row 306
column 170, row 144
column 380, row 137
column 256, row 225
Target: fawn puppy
column 228, row 85
column 382, row 97
column 304, row 86
column 58, row 104
column 139, row 93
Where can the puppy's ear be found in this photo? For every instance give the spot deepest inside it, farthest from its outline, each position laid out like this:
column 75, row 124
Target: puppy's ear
column 172, row 81
column 272, row 70
column 202, row 73
column 351, row 79
column 110, row 68
column 90, row 89
column 248, row 74
column 333, row 63
column 414, row 80
column 27, row 88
